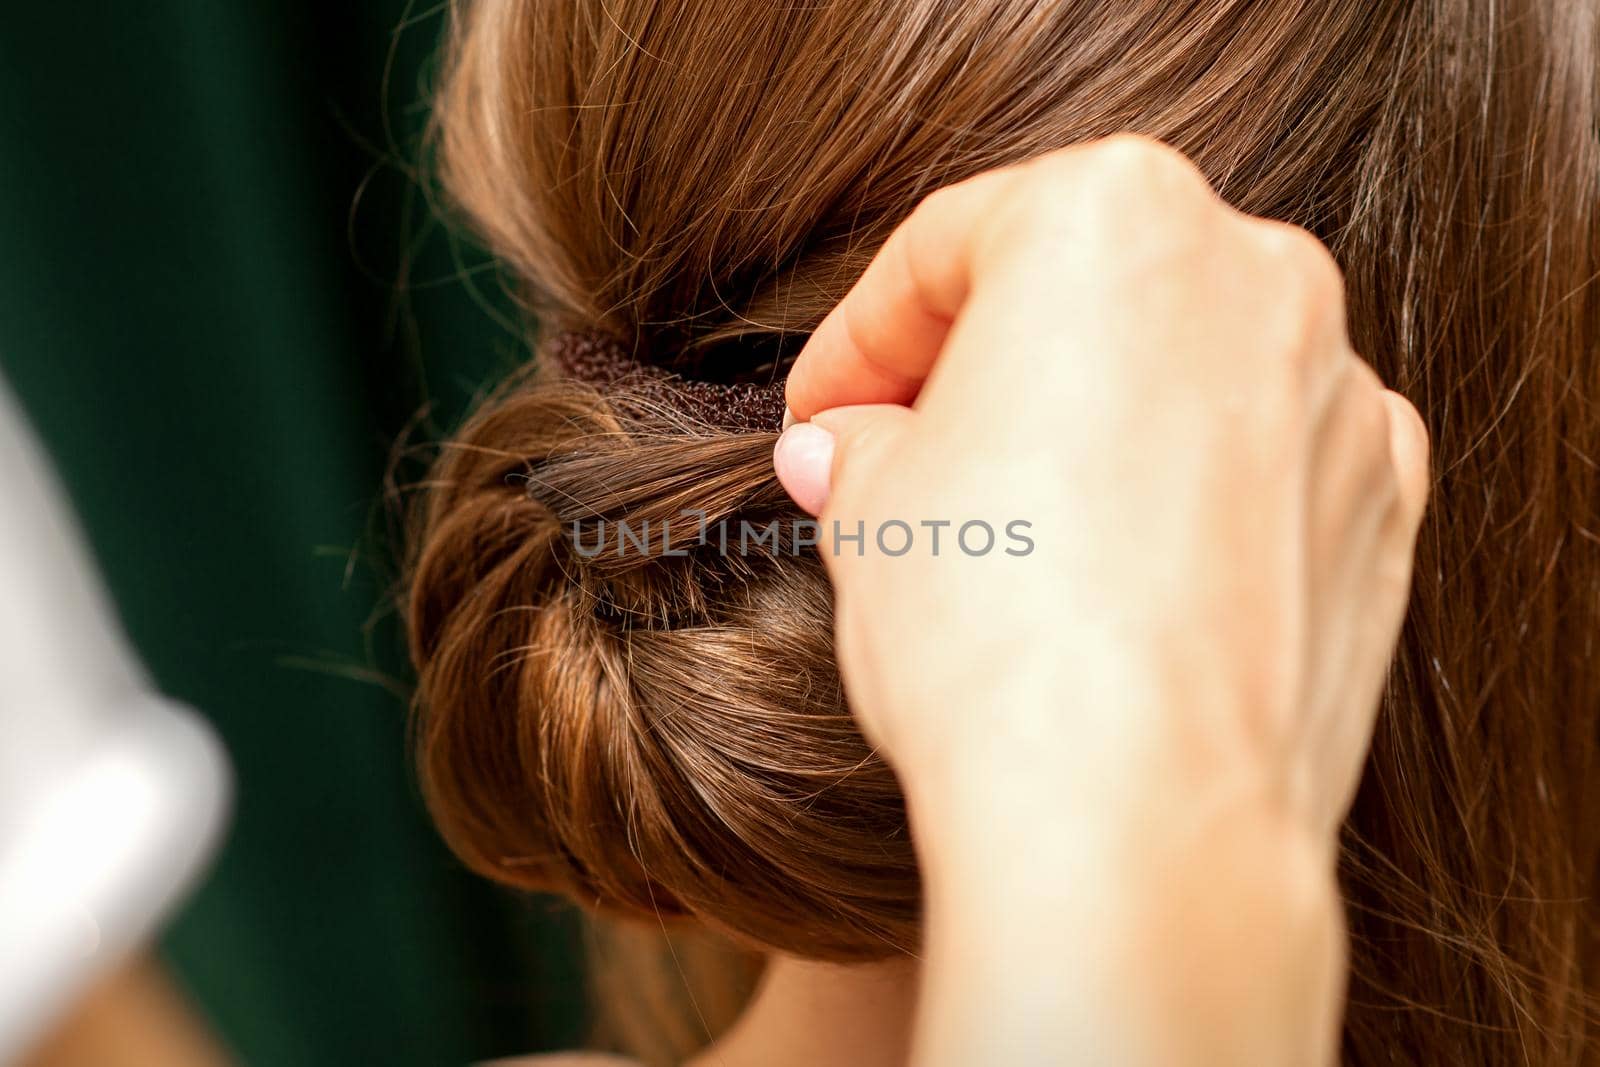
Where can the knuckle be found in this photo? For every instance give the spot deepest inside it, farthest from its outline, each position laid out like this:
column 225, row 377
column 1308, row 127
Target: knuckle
column 1305, row 265
column 1366, row 417
column 1373, row 422
column 1146, row 170
column 1125, row 165
column 1416, row 427
column 1129, row 196
column 1305, row 322
column 1135, row 157
column 1151, row 201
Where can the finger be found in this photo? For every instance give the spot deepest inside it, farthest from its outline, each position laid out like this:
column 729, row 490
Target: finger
column 1409, row 449
column 810, row 455
column 803, row 461
column 878, row 344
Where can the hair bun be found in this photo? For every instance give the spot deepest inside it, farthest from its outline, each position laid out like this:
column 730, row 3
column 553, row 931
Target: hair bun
column 650, row 732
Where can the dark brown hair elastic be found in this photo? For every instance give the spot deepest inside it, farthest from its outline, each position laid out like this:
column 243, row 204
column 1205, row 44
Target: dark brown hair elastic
column 600, row 360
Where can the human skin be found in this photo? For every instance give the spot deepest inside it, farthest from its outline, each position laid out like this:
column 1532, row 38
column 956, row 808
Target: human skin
column 1126, row 754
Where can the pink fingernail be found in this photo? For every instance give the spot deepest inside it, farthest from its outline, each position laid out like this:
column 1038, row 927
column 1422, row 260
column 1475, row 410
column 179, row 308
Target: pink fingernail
column 803, row 459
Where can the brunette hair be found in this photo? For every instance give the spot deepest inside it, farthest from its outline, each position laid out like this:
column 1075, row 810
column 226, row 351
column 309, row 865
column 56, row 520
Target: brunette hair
column 664, row 736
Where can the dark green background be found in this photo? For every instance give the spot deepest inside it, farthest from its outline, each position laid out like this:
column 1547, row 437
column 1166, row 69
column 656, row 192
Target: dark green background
column 221, row 300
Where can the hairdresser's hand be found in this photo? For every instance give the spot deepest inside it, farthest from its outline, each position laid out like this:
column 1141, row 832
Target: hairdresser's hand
column 1222, row 502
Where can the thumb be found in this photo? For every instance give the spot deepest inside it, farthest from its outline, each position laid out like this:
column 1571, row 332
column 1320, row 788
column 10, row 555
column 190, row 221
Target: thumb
column 810, row 456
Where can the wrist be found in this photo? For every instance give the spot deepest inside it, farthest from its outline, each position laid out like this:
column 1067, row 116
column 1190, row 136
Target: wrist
column 1152, row 932
column 1004, row 821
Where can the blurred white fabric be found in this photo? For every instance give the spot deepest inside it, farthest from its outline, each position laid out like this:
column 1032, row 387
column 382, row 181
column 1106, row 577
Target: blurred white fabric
column 111, row 797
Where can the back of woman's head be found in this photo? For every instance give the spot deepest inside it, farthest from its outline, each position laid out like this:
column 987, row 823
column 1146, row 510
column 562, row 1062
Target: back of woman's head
column 663, row 734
